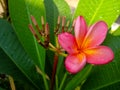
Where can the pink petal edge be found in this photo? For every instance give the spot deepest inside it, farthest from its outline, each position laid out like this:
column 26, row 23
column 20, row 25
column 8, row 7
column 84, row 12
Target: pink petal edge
column 96, row 34
column 80, row 30
column 99, row 55
column 74, row 63
column 68, row 42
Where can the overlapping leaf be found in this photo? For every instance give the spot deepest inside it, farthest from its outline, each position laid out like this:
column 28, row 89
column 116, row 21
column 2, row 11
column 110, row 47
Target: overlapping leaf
column 20, row 11
column 14, row 60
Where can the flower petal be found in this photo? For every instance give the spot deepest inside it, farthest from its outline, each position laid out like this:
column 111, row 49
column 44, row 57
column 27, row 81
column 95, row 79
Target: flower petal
column 99, row 55
column 75, row 62
column 68, row 42
column 80, row 30
column 95, row 35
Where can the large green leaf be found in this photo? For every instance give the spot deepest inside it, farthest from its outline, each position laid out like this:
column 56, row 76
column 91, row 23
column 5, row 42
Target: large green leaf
column 20, row 11
column 94, row 10
column 8, row 67
column 106, row 75
column 14, row 60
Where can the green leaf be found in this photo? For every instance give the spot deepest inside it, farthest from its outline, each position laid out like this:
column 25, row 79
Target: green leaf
column 106, row 75
column 78, row 78
column 63, row 8
column 8, row 67
column 95, row 10
column 20, row 11
column 13, row 58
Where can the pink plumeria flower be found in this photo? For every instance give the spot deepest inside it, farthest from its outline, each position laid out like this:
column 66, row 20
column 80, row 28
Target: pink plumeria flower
column 85, row 46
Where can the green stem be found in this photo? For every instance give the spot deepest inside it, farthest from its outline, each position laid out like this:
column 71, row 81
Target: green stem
column 52, row 46
column 57, row 44
column 41, row 73
column 60, row 53
column 56, row 82
column 63, row 80
column 45, row 81
column 44, row 76
column 63, row 54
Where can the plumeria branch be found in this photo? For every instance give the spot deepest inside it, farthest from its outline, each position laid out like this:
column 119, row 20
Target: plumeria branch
column 56, row 50
column 44, row 32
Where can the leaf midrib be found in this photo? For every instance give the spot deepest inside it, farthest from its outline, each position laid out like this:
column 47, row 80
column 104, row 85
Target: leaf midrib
column 108, row 84
column 95, row 13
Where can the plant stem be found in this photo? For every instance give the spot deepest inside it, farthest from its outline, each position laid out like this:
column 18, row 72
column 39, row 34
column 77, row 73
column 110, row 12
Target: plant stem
column 12, row 84
column 60, row 53
column 44, row 76
column 63, row 80
column 41, row 73
column 45, row 81
column 54, row 71
column 57, row 44
column 52, row 46
column 56, row 49
column 56, row 82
